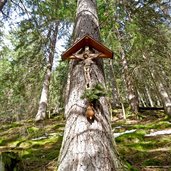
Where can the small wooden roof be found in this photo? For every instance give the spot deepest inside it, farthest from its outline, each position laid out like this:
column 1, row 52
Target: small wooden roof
column 88, row 41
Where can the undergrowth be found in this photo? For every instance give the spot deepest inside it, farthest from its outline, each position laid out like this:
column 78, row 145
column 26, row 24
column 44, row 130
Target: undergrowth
column 38, row 145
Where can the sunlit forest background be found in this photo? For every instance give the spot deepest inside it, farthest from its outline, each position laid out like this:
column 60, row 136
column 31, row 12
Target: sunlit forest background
column 33, row 34
column 136, row 30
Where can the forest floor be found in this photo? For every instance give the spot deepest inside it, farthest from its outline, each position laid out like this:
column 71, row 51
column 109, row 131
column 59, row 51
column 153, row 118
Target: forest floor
column 138, row 141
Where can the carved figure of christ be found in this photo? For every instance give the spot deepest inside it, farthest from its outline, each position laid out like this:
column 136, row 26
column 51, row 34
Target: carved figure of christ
column 87, row 58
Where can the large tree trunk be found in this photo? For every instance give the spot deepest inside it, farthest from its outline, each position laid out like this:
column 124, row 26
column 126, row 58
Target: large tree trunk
column 41, row 114
column 87, row 146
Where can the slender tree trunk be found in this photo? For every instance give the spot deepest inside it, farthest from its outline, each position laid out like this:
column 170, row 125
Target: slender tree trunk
column 149, row 97
column 158, row 102
column 166, row 100
column 162, row 91
column 87, row 146
column 115, row 94
column 41, row 114
column 131, row 91
column 165, row 78
column 141, row 99
column 117, row 99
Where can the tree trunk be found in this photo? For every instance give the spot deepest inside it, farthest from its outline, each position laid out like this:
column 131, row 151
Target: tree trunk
column 166, row 100
column 117, row 99
column 161, row 89
column 141, row 100
column 87, row 145
column 149, row 97
column 41, row 114
column 158, row 102
column 131, row 91
column 115, row 95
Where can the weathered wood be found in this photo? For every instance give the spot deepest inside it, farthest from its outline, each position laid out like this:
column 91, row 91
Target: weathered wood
column 92, row 43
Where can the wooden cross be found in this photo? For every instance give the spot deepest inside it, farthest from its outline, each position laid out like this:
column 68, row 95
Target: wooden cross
column 83, row 50
column 88, row 41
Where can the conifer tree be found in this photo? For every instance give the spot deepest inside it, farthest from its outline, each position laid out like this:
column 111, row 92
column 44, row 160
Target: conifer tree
column 87, row 144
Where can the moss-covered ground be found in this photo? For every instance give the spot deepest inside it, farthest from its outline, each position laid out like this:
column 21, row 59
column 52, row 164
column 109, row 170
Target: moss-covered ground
column 143, row 152
column 38, row 144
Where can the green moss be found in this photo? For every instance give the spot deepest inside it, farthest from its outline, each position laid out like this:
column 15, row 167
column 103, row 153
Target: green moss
column 155, row 125
column 36, row 146
column 142, row 146
column 17, row 142
column 152, row 162
column 10, row 139
column 34, row 132
column 11, row 161
column 35, row 154
column 59, row 126
column 42, row 152
column 2, row 141
column 11, row 125
column 32, row 129
column 129, row 167
column 25, row 144
column 137, row 149
column 131, row 137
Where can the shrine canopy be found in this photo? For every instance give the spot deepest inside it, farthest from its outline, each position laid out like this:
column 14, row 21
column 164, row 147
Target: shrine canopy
column 90, row 42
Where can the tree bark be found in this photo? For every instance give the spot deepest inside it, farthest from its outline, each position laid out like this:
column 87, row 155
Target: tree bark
column 149, row 97
column 166, row 100
column 117, row 99
column 131, row 91
column 141, row 100
column 87, row 146
column 115, row 95
column 160, row 87
column 41, row 114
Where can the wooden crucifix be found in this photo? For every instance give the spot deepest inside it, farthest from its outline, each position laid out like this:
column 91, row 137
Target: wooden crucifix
column 82, row 50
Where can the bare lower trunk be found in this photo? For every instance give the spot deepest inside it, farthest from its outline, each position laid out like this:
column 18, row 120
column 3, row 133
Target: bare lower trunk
column 149, row 97
column 131, row 91
column 41, row 114
column 158, row 101
column 166, row 100
column 141, row 99
column 87, row 145
column 115, row 94
column 117, row 99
